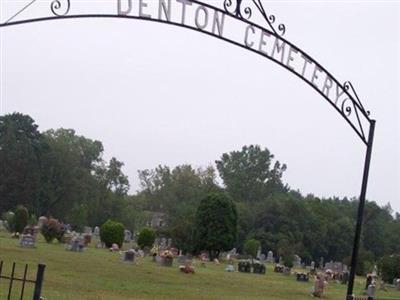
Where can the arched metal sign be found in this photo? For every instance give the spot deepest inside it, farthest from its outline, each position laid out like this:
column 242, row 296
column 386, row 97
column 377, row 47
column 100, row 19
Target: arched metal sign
column 243, row 23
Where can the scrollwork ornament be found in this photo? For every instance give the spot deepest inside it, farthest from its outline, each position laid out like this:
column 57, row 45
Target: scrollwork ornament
column 348, row 86
column 270, row 19
column 346, row 107
column 238, row 11
column 56, row 5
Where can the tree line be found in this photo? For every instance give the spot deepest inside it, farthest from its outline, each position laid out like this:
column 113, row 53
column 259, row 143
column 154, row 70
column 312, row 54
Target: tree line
column 61, row 174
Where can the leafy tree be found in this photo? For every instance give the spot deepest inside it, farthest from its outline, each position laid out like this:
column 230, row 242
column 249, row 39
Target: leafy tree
column 21, row 218
column 176, row 192
column 146, row 238
column 251, row 247
column 216, row 224
column 248, row 175
column 285, row 249
column 20, row 151
column 389, row 266
column 69, row 165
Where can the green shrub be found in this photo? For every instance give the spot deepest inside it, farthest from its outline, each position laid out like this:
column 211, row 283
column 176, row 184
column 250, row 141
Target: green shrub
column 250, row 247
column 389, row 266
column 112, row 233
column 50, row 230
column 146, row 238
column 10, row 218
column 21, row 218
column 288, row 260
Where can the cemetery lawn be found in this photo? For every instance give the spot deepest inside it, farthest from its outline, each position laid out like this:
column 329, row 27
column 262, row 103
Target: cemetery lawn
column 100, row 274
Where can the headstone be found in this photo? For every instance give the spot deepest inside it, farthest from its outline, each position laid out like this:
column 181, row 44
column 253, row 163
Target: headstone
column 302, row 277
column 397, row 284
column 286, row 270
column 296, row 261
column 258, row 253
column 345, row 277
column 41, row 221
column 312, row 265
column 375, row 271
column 244, row 266
column 169, row 242
column 368, row 281
column 27, row 241
column 96, row 231
column 29, row 230
column 163, row 244
column 232, row 253
column 127, row 236
column 371, row 292
column 270, row 257
column 258, row 268
column 262, row 257
column 76, row 245
column 281, row 260
column 158, row 259
column 181, row 259
column 336, row 267
column 382, row 286
column 230, row 268
column 278, row 268
column 2, row 227
column 100, row 245
column 129, row 255
column 114, row 247
column 87, row 230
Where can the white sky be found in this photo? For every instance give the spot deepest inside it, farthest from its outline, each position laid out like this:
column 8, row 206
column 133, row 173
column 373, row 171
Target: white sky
column 158, row 94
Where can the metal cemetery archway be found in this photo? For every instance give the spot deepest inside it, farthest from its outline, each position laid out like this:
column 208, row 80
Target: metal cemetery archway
column 245, row 24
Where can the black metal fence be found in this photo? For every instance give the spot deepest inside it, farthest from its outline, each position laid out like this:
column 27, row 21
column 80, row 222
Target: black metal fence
column 12, row 278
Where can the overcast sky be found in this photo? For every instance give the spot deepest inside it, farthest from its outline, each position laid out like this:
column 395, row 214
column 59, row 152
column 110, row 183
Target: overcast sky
column 159, row 94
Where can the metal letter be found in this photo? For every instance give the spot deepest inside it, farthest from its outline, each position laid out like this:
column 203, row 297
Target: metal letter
column 141, row 13
column 278, row 48
column 124, row 13
column 315, row 76
column 327, row 85
column 246, row 37
column 163, row 7
column 306, row 61
column 262, row 41
column 291, row 58
column 184, row 2
column 198, row 25
column 338, row 94
column 218, row 23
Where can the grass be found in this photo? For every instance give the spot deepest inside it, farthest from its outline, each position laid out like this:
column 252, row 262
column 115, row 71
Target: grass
column 97, row 274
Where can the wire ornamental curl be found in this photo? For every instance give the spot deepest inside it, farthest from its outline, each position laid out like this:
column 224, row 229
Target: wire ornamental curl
column 346, row 107
column 56, row 5
column 245, row 13
column 348, row 86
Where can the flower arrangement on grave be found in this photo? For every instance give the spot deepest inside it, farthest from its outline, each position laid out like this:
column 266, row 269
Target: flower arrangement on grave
column 188, row 269
column 167, row 258
column 154, row 251
column 167, row 254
